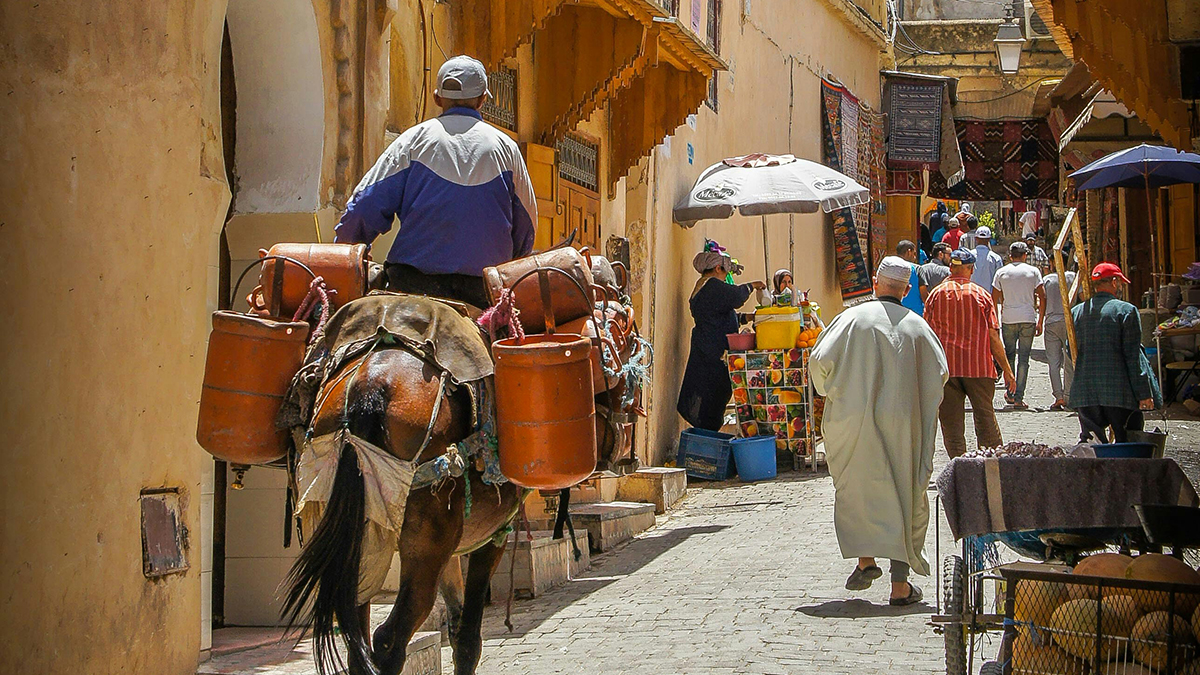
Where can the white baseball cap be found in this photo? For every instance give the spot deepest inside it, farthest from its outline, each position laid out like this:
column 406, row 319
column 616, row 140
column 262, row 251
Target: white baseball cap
column 462, row 77
column 984, row 232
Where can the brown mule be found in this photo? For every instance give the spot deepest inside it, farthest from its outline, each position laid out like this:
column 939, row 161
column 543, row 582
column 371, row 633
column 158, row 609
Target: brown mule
column 389, row 403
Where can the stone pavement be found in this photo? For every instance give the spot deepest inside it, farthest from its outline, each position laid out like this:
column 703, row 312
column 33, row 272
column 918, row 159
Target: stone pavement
column 748, row 579
column 738, row 579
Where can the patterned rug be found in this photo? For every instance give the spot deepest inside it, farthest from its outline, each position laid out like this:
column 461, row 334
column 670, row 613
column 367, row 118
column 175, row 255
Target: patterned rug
column 1003, row 161
column 853, row 272
column 914, row 123
column 906, row 182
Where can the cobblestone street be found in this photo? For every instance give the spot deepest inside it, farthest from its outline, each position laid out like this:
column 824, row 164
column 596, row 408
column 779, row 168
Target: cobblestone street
column 747, row 579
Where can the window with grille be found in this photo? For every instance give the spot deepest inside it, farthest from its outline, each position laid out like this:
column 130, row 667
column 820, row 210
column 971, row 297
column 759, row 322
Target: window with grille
column 579, row 161
column 714, row 42
column 714, row 24
column 672, row 7
column 501, row 109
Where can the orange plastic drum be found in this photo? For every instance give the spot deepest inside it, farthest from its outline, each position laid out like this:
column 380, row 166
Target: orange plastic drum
column 342, row 266
column 250, row 363
column 545, row 411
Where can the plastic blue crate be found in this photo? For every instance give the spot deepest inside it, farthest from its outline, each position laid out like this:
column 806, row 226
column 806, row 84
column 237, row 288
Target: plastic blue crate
column 705, row 454
column 754, row 457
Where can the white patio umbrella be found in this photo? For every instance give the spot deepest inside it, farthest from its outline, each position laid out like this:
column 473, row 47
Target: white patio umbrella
column 761, row 184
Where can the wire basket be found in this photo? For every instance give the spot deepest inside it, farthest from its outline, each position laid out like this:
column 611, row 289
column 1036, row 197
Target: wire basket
column 1070, row 624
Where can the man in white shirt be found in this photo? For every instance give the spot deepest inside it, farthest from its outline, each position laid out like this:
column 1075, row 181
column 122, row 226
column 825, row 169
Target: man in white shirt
column 1018, row 294
column 987, row 261
column 1058, row 348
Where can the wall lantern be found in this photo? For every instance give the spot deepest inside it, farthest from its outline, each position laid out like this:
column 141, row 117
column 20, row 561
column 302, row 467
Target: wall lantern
column 1009, row 40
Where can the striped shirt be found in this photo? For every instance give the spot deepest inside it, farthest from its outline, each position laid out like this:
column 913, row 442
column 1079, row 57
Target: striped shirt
column 962, row 314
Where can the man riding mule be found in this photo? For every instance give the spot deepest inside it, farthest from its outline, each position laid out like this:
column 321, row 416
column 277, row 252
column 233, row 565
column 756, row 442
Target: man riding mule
column 393, row 413
column 461, row 191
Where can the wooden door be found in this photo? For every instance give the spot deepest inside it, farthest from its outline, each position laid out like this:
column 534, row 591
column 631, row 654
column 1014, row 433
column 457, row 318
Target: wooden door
column 582, row 208
column 543, row 174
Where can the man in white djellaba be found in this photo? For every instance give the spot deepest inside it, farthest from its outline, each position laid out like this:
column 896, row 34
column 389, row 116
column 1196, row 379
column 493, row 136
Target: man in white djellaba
column 882, row 371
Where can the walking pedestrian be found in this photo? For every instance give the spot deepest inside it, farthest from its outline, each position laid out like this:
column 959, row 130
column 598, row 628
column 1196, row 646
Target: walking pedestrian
column 935, row 271
column 1037, row 254
column 912, row 299
column 1018, row 293
column 1058, row 347
column 881, row 369
column 1113, row 384
column 963, row 317
column 954, row 230
column 942, row 220
column 987, row 261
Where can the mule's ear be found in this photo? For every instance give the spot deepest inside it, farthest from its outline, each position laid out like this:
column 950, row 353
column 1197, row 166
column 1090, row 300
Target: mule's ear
column 376, row 277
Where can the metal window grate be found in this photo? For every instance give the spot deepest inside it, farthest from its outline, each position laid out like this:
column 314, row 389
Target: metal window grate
column 711, row 101
column 579, row 161
column 672, row 7
column 714, row 24
column 501, row 110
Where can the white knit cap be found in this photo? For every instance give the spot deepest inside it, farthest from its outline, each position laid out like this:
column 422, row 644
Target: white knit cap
column 895, row 268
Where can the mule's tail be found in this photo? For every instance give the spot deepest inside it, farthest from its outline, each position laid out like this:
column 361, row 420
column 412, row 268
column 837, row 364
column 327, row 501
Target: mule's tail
column 323, row 582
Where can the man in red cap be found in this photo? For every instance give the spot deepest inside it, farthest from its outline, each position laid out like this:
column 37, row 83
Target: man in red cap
column 1113, row 380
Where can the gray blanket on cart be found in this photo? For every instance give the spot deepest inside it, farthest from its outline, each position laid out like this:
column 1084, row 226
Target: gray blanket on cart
column 1007, row 494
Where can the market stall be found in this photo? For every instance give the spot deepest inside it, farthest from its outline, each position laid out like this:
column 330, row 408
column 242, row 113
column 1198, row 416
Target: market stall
column 772, row 392
column 1056, row 506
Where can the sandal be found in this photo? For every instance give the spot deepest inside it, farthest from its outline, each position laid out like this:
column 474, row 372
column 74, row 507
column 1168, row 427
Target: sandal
column 1020, row 405
column 860, row 579
column 1058, row 406
column 914, row 596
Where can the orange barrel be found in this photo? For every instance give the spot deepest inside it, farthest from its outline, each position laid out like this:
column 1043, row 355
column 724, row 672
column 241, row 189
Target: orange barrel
column 342, row 266
column 250, row 363
column 545, row 412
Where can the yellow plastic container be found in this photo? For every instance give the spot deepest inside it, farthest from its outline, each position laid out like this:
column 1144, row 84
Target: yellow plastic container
column 777, row 327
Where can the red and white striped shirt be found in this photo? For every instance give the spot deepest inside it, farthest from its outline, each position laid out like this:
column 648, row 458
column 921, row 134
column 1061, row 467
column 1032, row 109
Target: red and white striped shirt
column 962, row 314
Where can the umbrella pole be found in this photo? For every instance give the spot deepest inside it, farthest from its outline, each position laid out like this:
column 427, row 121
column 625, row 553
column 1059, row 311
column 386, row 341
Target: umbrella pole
column 1153, row 242
column 766, row 264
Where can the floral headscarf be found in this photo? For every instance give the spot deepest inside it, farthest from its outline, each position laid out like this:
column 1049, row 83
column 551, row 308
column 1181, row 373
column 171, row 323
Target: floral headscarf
column 713, row 256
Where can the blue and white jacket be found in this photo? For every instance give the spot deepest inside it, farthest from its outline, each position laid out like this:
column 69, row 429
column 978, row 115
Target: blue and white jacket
column 461, row 190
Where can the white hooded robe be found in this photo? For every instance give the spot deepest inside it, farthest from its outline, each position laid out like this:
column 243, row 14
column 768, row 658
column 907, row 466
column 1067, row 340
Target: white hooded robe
column 881, row 369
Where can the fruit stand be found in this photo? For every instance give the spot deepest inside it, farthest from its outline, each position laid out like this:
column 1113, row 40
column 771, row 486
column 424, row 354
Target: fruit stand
column 774, row 396
column 1056, row 510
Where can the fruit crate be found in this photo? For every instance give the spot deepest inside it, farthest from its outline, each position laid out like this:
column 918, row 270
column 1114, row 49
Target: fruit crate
column 1072, row 624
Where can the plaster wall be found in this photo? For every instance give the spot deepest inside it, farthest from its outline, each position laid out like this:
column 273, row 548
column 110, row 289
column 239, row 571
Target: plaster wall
column 769, row 101
column 112, row 199
column 280, row 105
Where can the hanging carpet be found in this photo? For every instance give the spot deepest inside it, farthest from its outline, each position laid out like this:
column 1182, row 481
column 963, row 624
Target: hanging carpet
column 1003, row 161
column 853, row 273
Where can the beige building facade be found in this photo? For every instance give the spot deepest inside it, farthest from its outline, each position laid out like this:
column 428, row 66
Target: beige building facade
column 152, row 149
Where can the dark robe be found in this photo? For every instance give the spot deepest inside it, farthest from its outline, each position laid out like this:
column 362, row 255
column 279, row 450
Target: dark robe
column 706, row 388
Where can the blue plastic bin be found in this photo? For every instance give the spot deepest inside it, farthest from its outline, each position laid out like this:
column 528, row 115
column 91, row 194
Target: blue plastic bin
column 755, row 458
column 704, row 454
column 1124, row 450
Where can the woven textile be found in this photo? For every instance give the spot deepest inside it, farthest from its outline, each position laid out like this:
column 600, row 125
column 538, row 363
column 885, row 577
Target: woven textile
column 906, row 182
column 853, row 272
column 1003, row 161
column 914, row 124
column 878, row 184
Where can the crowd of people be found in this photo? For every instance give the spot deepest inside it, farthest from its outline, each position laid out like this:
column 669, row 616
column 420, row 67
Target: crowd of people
column 943, row 329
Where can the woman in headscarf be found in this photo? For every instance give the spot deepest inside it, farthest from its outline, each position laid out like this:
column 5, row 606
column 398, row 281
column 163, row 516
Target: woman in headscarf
column 781, row 285
column 706, row 389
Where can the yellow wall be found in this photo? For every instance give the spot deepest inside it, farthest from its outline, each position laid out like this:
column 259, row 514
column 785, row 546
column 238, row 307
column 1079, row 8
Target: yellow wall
column 771, row 54
column 113, row 195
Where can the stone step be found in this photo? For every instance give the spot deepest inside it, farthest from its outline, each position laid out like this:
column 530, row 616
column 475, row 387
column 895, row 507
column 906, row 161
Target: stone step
column 661, row 486
column 424, row 654
column 612, row 523
column 541, row 564
column 600, row 487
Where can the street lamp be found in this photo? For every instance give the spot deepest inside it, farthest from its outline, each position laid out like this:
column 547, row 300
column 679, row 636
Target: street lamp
column 1009, row 40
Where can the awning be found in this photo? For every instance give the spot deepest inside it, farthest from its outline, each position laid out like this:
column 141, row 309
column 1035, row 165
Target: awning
column 590, row 52
column 1126, row 45
column 1070, row 103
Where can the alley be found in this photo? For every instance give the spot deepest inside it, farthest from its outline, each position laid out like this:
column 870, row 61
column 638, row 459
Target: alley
column 747, row 579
